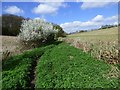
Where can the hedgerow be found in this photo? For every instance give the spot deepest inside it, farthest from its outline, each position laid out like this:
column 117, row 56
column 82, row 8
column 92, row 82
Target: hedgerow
column 67, row 67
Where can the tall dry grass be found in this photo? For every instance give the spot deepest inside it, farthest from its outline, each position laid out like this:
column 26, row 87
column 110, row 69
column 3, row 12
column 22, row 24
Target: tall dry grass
column 107, row 51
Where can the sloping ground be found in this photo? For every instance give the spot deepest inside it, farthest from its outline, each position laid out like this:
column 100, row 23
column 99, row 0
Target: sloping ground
column 110, row 34
column 102, row 44
column 9, row 43
column 108, row 31
column 18, row 71
column 67, row 67
column 59, row 66
column 9, row 46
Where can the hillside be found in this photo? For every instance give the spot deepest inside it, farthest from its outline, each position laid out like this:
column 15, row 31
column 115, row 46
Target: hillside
column 57, row 66
column 103, row 35
column 101, row 44
column 11, row 24
column 64, row 65
column 11, row 45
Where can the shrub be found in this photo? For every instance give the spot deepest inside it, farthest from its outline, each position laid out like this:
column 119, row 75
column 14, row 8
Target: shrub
column 37, row 31
column 60, row 33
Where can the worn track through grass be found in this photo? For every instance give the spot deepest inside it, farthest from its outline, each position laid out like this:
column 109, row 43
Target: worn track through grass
column 33, row 74
column 19, row 71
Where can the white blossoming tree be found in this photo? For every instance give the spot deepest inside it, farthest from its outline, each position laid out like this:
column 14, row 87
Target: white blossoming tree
column 37, row 30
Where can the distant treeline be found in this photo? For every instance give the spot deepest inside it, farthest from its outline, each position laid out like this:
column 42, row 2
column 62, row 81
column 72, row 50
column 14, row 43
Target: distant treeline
column 81, row 31
column 108, row 26
column 11, row 25
column 102, row 27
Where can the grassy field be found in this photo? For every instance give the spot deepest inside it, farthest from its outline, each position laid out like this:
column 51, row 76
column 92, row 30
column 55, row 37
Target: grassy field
column 100, row 38
column 58, row 66
column 102, row 44
column 11, row 40
column 110, row 34
column 17, row 71
column 10, row 46
column 61, row 65
column 68, row 67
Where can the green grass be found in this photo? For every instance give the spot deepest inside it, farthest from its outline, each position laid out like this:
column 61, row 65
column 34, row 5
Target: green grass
column 102, row 44
column 67, row 67
column 16, row 70
column 59, row 66
column 17, row 77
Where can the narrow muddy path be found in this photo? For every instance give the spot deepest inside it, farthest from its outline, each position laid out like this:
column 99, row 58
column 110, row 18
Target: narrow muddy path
column 33, row 74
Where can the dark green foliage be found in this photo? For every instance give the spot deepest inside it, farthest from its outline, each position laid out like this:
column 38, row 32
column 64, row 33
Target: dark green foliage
column 119, row 24
column 67, row 67
column 17, row 76
column 16, row 70
column 50, row 38
column 107, row 26
column 11, row 24
column 81, row 31
column 60, row 33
